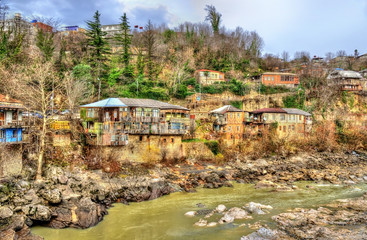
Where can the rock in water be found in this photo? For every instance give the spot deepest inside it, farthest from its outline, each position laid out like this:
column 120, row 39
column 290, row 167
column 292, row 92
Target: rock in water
column 212, row 224
column 190, row 213
column 232, row 214
column 220, row 208
column 257, row 208
column 201, row 223
column 261, row 234
column 200, row 205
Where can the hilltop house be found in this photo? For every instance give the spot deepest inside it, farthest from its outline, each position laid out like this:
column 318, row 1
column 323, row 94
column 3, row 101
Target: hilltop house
column 280, row 79
column 114, row 121
column 287, row 121
column 207, row 77
column 347, row 80
column 228, row 122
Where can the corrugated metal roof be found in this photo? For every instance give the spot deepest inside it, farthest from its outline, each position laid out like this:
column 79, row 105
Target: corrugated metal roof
column 344, row 74
column 109, row 102
column 282, row 110
column 296, row 111
column 269, row 110
column 134, row 102
column 226, row 108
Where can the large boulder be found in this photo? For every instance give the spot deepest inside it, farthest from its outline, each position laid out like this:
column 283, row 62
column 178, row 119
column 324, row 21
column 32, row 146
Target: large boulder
column 37, row 212
column 89, row 213
column 5, row 213
column 52, row 196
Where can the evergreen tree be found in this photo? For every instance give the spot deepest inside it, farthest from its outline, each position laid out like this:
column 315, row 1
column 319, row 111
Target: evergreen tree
column 124, row 39
column 45, row 42
column 98, row 47
column 149, row 42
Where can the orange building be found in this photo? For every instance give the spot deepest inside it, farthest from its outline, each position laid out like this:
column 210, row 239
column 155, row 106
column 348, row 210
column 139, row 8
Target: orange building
column 207, row 77
column 280, row 79
column 228, row 121
column 42, row 26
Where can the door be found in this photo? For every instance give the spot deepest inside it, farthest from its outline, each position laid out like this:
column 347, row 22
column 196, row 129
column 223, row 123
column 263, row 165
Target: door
column 8, row 117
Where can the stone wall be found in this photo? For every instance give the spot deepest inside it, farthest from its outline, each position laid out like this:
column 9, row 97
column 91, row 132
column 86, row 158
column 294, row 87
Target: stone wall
column 10, row 159
column 148, row 149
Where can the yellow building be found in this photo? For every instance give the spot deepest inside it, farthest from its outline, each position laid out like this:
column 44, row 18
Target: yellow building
column 289, row 122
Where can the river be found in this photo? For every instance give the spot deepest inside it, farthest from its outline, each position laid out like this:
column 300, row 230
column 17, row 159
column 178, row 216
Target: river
column 163, row 218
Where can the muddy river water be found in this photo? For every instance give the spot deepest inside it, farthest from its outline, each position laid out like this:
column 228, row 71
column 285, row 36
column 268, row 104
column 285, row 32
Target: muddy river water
column 163, row 218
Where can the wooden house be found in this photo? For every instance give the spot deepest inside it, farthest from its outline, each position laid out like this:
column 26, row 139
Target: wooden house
column 228, row 122
column 111, row 121
column 347, row 80
column 11, row 121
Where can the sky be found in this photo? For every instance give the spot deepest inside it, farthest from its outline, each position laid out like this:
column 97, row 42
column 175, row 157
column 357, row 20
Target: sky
column 315, row 26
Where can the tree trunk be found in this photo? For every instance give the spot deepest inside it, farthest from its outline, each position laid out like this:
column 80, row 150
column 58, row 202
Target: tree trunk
column 42, row 150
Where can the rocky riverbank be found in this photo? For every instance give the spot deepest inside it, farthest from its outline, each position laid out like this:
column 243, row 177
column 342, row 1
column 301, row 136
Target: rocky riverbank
column 78, row 198
column 342, row 219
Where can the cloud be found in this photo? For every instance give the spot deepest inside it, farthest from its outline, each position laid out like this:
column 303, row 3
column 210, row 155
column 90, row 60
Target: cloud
column 158, row 15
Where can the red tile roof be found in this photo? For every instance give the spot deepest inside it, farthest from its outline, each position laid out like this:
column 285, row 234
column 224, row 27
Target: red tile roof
column 206, row 70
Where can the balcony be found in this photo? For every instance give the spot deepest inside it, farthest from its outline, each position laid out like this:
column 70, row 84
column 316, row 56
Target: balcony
column 12, row 124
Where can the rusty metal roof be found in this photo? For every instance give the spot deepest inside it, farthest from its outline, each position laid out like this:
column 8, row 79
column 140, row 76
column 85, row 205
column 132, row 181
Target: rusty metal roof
column 6, row 102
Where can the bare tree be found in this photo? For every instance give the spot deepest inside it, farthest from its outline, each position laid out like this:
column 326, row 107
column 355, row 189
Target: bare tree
column 76, row 91
column 329, row 56
column 285, row 56
column 341, row 53
column 36, row 85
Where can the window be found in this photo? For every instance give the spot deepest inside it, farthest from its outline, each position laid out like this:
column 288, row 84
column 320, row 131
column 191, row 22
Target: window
column 14, row 134
column 280, row 128
column 140, row 138
column 238, row 115
column 282, row 117
column 229, row 128
column 90, row 113
column 293, row 128
column 284, row 128
column 172, row 140
column 238, row 128
column 273, row 116
column 266, row 78
column 272, row 79
column 164, row 140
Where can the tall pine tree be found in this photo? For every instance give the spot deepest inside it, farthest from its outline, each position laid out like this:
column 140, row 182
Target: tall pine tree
column 45, row 42
column 124, row 39
column 98, row 48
